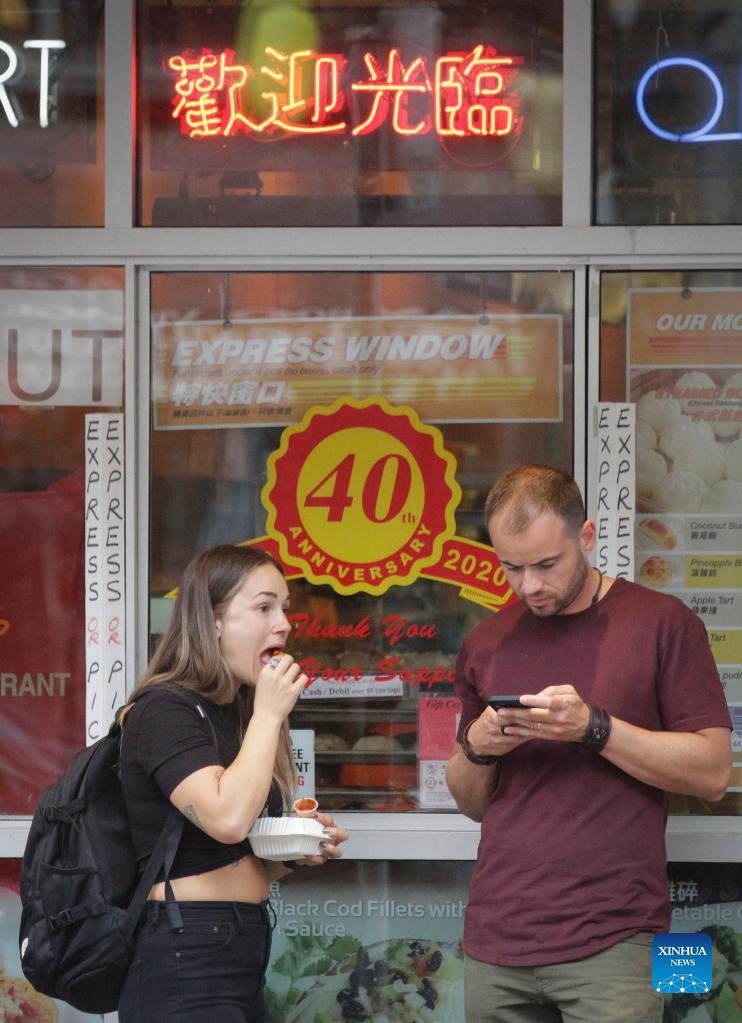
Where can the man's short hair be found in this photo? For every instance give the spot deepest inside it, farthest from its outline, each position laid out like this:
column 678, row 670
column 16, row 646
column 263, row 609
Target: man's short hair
column 529, row 491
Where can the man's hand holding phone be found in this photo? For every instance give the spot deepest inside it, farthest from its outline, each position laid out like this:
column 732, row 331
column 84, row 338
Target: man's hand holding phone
column 486, row 733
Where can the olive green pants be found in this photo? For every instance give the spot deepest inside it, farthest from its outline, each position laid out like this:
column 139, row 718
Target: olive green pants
column 613, row 986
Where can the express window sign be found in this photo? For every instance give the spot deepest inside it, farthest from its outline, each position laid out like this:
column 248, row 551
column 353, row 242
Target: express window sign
column 416, row 89
column 48, row 83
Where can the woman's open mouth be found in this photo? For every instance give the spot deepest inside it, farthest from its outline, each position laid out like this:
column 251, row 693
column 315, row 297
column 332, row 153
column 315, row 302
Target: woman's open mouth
column 272, row 651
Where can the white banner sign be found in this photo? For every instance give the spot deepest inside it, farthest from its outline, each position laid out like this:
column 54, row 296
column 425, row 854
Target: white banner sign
column 61, row 347
column 105, row 609
column 302, row 745
column 616, row 498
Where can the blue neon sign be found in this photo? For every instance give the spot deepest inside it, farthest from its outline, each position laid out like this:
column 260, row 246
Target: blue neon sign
column 703, row 134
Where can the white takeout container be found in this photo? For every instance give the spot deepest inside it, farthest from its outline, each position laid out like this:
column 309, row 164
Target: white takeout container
column 286, row 838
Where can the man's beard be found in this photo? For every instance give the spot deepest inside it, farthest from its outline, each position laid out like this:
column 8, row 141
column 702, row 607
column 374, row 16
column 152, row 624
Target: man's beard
column 563, row 601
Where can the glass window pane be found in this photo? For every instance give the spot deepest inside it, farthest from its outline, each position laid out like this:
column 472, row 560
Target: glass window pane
column 61, row 353
column 672, row 342
column 349, row 422
column 350, row 112
column 51, row 113
column 668, row 113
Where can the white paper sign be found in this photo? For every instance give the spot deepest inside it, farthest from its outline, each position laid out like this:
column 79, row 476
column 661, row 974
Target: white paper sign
column 105, row 608
column 616, row 489
column 365, row 688
column 302, row 744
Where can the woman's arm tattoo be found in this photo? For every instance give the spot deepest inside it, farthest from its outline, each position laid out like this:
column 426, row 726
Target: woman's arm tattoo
column 190, row 814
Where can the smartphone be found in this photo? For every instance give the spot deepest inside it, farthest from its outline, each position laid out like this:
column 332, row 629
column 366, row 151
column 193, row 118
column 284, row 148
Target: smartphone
column 496, row 702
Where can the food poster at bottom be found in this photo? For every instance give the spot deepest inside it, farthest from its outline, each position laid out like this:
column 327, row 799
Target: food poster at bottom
column 380, row 942
column 369, row 940
column 706, row 898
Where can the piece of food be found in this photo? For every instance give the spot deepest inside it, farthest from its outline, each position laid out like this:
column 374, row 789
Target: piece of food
column 724, row 497
column 20, row 1003
column 397, row 981
column 656, row 571
column 682, row 433
column 377, row 743
column 646, row 435
column 657, row 411
column 651, row 467
column 328, row 742
column 694, row 389
column 733, row 461
column 659, row 533
column 705, row 460
column 680, row 491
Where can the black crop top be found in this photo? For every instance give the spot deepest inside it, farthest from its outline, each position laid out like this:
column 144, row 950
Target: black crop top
column 164, row 741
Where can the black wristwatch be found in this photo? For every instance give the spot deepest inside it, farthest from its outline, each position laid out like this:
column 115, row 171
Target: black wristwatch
column 471, row 755
column 598, row 729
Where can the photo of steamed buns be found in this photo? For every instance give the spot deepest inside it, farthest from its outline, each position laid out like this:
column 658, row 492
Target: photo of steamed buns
column 657, row 411
column 694, row 386
column 681, row 433
column 732, row 396
column 705, row 460
column 724, row 498
column 685, row 451
column 680, row 491
column 646, row 436
column 650, row 468
column 733, row 461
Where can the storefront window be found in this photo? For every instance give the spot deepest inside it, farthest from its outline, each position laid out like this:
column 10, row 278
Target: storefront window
column 668, row 114
column 672, row 343
column 353, row 423
column 61, row 357
column 350, row 113
column 51, row 113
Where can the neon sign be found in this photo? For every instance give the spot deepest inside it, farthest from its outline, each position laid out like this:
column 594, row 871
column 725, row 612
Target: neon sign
column 703, row 134
column 8, row 103
column 466, row 95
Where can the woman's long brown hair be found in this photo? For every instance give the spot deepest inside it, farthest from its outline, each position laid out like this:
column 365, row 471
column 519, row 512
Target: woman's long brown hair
column 189, row 653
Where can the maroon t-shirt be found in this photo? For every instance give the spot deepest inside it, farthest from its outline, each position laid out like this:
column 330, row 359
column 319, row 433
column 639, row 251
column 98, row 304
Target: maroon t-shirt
column 572, row 854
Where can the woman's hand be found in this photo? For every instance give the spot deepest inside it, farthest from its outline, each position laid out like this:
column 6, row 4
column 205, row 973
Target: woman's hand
column 278, row 686
column 329, row 847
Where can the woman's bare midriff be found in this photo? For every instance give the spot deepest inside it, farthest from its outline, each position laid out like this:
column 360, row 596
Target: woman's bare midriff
column 245, row 880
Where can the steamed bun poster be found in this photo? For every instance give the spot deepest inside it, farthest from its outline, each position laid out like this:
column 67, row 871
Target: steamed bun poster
column 684, row 371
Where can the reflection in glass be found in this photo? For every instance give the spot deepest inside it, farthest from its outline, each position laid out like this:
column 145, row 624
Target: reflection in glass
column 51, row 113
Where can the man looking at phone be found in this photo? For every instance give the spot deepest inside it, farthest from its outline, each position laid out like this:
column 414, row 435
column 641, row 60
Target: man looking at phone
column 621, row 704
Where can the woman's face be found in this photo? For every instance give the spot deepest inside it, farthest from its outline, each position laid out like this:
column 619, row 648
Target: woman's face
column 254, row 623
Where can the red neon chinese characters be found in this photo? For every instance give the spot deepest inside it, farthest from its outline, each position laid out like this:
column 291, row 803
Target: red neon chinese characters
column 396, row 85
column 467, row 91
column 304, row 95
column 290, row 102
column 196, row 105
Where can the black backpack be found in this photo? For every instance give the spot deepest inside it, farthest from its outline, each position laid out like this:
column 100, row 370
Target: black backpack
column 78, row 883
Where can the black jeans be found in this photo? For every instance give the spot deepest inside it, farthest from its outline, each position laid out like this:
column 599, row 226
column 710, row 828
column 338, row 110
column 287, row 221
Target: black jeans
column 212, row 970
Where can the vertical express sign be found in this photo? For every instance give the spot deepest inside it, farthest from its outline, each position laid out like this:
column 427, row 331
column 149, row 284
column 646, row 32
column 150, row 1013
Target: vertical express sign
column 616, row 499
column 105, row 612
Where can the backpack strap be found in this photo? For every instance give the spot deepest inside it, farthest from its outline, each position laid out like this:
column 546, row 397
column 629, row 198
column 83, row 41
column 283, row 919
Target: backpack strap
column 164, row 853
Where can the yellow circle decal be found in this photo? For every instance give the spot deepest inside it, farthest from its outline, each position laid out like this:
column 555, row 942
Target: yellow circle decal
column 361, row 495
